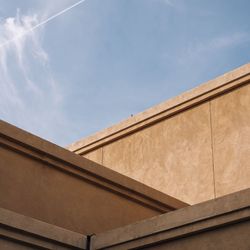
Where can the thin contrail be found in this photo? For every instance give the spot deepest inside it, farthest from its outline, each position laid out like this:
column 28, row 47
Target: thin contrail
column 40, row 24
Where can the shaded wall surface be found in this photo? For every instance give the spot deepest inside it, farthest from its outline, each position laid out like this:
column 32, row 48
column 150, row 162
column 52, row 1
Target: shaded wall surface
column 223, row 223
column 194, row 147
column 46, row 182
column 24, row 233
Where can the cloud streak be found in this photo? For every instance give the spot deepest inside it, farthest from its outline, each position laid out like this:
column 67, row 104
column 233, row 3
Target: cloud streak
column 220, row 42
column 198, row 50
column 26, row 31
column 30, row 96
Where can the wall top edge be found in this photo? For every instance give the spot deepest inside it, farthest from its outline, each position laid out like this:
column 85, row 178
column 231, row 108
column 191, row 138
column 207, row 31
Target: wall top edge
column 200, row 212
column 97, row 173
column 212, row 85
column 42, row 229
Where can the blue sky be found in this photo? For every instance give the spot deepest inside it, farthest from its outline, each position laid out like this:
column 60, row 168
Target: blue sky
column 104, row 60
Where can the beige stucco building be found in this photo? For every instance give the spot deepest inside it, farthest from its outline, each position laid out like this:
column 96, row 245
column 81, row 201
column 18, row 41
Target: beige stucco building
column 194, row 147
column 136, row 185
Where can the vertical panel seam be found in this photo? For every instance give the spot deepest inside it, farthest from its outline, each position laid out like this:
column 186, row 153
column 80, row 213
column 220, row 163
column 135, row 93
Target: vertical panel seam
column 102, row 155
column 212, row 146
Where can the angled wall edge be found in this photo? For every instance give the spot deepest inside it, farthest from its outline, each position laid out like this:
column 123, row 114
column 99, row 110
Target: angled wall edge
column 44, row 181
column 18, row 230
column 219, row 218
column 180, row 103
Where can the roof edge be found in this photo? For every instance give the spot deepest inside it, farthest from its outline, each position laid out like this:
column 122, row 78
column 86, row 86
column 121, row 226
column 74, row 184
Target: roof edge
column 222, row 207
column 42, row 150
column 203, row 92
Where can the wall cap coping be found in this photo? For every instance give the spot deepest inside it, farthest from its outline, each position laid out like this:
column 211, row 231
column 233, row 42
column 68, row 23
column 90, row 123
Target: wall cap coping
column 224, row 207
column 203, row 92
column 36, row 228
column 33, row 146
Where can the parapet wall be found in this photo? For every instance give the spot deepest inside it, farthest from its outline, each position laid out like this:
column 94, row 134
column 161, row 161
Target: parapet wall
column 194, row 147
column 48, row 183
column 24, row 233
column 223, row 223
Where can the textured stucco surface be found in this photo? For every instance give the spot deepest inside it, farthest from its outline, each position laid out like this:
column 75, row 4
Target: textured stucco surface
column 231, row 237
column 95, row 155
column 44, row 193
column 18, row 232
column 231, row 141
column 196, row 155
column 46, row 182
column 165, row 109
column 194, row 147
column 167, row 156
column 221, row 223
column 14, row 245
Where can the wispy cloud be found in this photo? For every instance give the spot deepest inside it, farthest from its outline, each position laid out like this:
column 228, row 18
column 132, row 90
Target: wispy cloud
column 174, row 4
column 203, row 49
column 29, row 96
column 220, row 42
column 35, row 26
column 168, row 2
column 20, row 47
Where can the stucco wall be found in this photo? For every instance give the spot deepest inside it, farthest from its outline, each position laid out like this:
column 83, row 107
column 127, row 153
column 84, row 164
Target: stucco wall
column 222, row 223
column 46, row 182
column 167, row 155
column 200, row 149
column 231, row 141
column 19, row 232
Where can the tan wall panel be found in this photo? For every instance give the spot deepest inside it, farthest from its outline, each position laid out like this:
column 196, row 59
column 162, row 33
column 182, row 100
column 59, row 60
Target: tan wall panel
column 221, row 223
column 173, row 156
column 164, row 148
column 43, row 181
column 117, row 156
column 95, row 155
column 231, row 140
column 38, row 190
column 230, row 237
column 7, row 244
column 18, row 232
